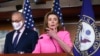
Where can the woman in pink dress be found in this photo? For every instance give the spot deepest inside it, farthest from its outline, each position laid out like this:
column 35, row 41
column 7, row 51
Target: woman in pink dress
column 54, row 40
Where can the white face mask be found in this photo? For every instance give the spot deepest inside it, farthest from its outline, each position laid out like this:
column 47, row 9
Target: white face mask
column 17, row 25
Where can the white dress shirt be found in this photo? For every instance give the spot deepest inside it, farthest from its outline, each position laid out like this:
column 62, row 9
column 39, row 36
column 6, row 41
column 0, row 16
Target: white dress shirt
column 15, row 33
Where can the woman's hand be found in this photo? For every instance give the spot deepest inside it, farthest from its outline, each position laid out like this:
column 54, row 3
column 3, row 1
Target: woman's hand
column 52, row 32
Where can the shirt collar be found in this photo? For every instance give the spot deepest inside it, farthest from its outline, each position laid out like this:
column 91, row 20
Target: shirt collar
column 23, row 28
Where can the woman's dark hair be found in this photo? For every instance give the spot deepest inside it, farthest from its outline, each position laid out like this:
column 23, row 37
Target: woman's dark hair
column 46, row 20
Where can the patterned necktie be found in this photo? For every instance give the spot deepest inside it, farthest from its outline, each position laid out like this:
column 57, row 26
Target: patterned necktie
column 16, row 38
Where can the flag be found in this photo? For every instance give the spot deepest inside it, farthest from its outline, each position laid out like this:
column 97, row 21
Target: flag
column 57, row 10
column 87, row 41
column 27, row 12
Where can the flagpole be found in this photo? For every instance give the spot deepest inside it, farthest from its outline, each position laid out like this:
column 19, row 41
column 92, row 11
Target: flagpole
column 21, row 10
column 52, row 5
column 23, row 4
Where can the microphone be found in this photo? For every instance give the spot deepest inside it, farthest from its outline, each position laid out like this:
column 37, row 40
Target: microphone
column 54, row 44
column 50, row 37
column 41, row 38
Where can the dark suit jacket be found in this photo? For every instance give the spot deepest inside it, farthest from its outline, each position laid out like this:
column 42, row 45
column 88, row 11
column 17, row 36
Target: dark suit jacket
column 26, row 43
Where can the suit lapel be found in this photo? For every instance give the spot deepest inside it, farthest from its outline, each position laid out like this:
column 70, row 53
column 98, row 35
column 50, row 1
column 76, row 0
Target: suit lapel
column 11, row 39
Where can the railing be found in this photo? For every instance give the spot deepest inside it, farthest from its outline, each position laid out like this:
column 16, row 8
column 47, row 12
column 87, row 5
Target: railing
column 47, row 54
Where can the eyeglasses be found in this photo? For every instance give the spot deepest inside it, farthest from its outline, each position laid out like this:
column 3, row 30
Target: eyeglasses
column 16, row 20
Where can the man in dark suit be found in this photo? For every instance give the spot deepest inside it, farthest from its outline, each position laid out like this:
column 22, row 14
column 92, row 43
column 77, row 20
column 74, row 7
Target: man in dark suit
column 20, row 40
